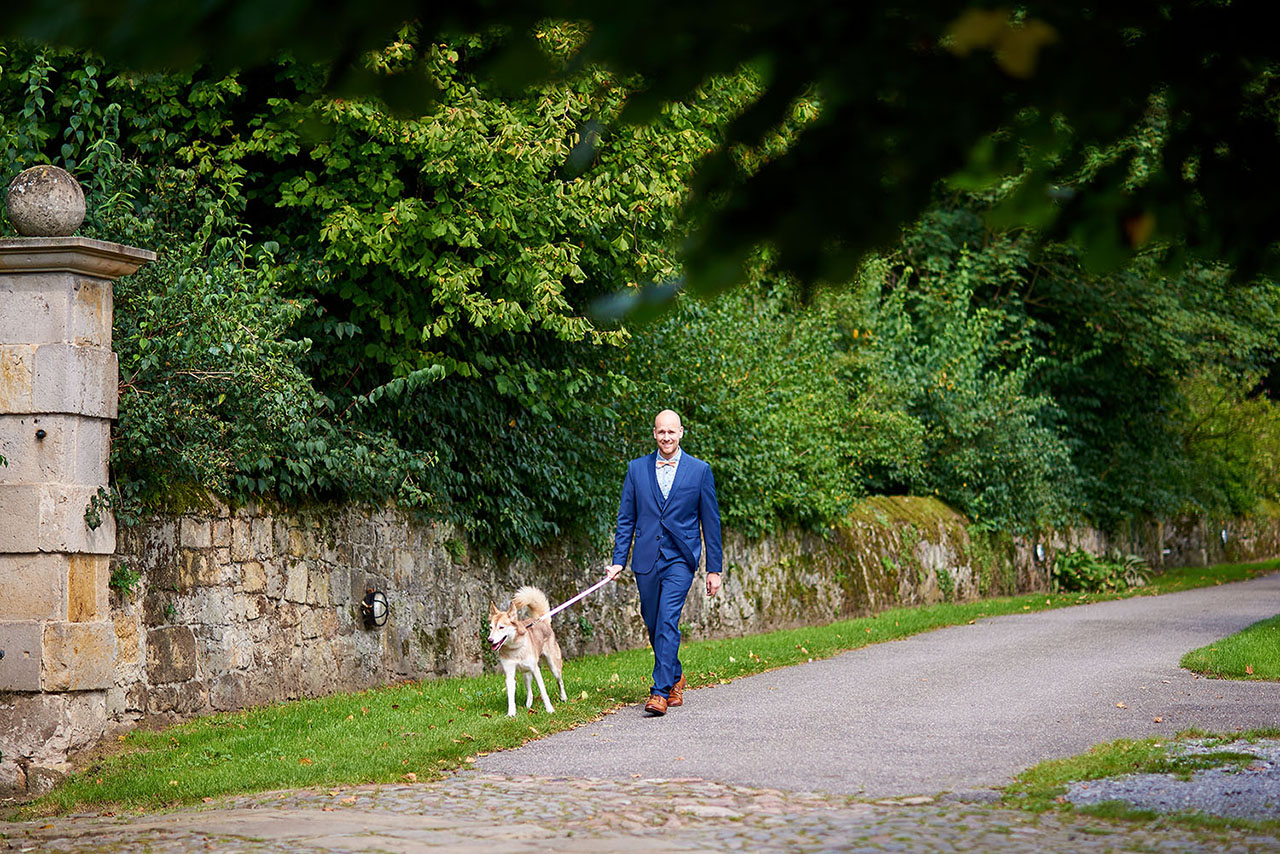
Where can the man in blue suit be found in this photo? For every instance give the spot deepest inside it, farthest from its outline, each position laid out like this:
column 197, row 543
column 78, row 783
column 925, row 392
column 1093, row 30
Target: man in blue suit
column 666, row 497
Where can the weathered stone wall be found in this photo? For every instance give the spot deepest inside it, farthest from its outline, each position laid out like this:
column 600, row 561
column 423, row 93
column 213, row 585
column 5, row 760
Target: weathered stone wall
column 239, row 608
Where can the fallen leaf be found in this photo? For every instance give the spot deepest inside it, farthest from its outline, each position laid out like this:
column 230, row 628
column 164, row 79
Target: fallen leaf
column 633, row 776
column 1121, row 706
column 334, row 792
column 351, row 717
column 485, row 715
column 173, row 782
column 1248, row 668
column 534, row 731
column 305, row 761
column 348, row 800
column 614, row 678
column 582, row 696
column 1157, row 719
column 207, row 800
column 410, row 777
column 469, row 759
column 364, row 710
column 326, row 808
column 732, row 659
column 679, row 758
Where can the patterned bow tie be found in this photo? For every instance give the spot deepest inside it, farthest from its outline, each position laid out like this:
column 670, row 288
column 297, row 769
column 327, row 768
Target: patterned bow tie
column 663, row 462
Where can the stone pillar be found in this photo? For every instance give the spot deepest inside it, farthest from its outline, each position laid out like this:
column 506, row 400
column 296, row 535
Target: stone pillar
column 58, row 379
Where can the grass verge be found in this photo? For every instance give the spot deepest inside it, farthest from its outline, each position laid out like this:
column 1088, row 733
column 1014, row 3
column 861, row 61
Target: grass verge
column 1251, row 654
column 422, row 730
column 1044, row 786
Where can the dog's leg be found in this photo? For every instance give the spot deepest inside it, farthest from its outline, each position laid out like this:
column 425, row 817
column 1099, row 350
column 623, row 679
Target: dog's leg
column 556, row 662
column 542, row 689
column 528, row 687
column 509, row 668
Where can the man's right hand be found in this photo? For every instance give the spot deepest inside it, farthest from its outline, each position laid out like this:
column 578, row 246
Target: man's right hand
column 614, row 571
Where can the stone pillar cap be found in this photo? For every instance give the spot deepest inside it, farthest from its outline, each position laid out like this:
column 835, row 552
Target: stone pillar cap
column 83, row 255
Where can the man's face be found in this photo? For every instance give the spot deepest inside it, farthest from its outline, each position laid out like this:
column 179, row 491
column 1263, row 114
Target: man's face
column 667, row 432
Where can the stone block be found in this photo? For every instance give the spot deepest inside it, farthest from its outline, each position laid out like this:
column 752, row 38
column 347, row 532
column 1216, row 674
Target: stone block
column 318, row 586
column 88, row 578
column 177, row 700
column 222, row 533
column 67, row 378
column 55, row 307
column 295, row 585
column 240, row 547
column 260, row 537
column 78, row 656
column 22, row 643
column 171, row 655
column 73, row 449
column 33, row 586
column 215, row 607
column 13, row 779
column 50, row 518
column 128, row 647
column 195, row 533
column 229, row 692
column 41, row 780
column 253, row 576
column 17, row 373
column 42, row 730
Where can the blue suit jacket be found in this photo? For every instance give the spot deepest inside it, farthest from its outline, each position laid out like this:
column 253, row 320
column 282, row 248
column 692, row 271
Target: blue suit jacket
column 652, row 522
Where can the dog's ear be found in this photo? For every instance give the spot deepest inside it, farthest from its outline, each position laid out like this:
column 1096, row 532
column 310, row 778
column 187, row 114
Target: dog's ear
column 493, row 609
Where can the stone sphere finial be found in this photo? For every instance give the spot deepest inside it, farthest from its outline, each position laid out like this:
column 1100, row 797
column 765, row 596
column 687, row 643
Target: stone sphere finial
column 45, row 201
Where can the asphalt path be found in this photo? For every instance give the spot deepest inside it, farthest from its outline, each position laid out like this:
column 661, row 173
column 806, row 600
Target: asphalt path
column 955, row 710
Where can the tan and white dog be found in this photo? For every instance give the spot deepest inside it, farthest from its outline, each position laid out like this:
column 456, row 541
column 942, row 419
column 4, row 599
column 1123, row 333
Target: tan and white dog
column 519, row 646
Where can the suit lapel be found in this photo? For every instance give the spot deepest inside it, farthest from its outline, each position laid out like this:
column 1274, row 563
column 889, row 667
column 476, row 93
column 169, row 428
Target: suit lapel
column 652, row 465
column 680, row 475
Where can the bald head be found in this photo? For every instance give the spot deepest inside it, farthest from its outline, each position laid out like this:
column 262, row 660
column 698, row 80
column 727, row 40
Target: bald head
column 667, row 432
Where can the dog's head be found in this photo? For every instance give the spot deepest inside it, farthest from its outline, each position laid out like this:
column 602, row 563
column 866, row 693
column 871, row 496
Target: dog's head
column 502, row 626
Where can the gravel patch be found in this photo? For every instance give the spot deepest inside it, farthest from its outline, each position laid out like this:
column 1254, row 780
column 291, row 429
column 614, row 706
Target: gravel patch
column 1251, row 792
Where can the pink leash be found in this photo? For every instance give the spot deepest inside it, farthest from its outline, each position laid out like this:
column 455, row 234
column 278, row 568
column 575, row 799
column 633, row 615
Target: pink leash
column 565, row 604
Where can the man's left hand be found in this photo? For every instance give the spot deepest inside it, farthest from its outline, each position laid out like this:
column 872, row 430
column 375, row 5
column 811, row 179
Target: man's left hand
column 713, row 583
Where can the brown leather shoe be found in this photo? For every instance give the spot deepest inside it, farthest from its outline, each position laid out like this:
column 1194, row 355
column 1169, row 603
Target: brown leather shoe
column 677, row 693
column 656, row 707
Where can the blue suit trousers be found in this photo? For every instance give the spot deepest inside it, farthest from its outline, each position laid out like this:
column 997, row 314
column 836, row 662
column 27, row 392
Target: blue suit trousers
column 662, row 595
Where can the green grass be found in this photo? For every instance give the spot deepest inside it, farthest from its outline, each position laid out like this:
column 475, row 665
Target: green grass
column 422, row 730
column 1251, row 654
column 1044, row 786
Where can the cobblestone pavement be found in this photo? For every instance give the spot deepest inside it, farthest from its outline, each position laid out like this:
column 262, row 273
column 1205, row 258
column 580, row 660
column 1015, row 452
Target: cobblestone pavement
column 477, row 812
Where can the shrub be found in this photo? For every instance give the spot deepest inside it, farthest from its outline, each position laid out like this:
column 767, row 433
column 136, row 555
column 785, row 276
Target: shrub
column 1079, row 571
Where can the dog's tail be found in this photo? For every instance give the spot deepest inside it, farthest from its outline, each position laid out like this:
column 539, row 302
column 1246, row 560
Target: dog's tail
column 533, row 599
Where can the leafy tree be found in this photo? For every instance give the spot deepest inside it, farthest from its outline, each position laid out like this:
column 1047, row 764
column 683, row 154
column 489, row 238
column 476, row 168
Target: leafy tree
column 434, row 271
column 908, row 94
